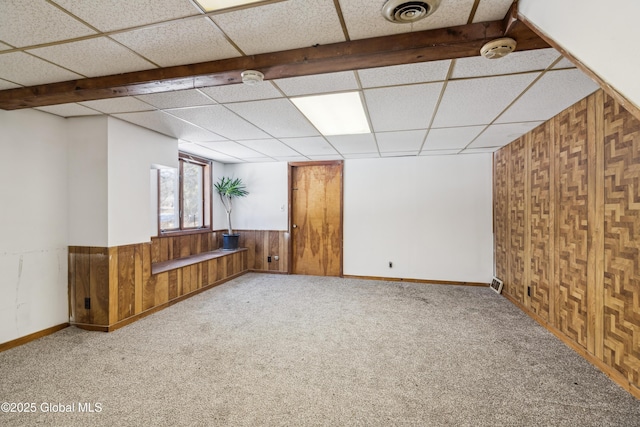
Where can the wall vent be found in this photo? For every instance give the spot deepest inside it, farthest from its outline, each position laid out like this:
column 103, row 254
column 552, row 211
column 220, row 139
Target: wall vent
column 496, row 284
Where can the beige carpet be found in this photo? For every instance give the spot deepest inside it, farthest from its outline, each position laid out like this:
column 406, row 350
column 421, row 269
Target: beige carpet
column 305, row 351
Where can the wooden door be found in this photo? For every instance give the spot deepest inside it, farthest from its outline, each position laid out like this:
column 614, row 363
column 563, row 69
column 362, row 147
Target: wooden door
column 316, row 218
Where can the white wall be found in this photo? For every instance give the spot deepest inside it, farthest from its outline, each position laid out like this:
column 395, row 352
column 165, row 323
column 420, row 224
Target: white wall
column 266, row 206
column 601, row 34
column 219, row 220
column 132, row 152
column 88, row 181
column 430, row 216
column 33, row 223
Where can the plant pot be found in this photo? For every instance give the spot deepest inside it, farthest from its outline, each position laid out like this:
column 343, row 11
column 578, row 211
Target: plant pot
column 230, row 241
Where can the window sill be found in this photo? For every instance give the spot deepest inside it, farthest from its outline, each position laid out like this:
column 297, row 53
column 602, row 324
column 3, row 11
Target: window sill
column 184, row 232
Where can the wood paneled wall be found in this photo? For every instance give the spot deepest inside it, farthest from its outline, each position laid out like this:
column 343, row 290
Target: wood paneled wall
column 121, row 288
column 567, row 231
column 260, row 245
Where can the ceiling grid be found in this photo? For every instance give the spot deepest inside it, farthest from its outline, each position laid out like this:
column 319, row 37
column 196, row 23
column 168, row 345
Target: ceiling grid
column 442, row 107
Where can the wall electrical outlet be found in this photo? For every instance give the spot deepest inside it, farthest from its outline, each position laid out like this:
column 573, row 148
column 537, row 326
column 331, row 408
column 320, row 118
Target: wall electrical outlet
column 87, row 303
column 269, row 258
column 390, row 264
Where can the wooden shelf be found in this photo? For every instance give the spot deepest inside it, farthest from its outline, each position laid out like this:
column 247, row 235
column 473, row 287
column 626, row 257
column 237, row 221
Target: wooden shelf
column 161, row 267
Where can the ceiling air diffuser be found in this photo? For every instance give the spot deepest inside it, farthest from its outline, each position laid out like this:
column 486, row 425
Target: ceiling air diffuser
column 407, row 12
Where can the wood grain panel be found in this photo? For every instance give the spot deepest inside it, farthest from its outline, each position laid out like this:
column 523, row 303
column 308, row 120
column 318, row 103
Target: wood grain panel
column 99, row 284
column 126, row 281
column 540, row 221
column 82, row 283
column 572, row 219
column 172, row 278
column 517, row 220
column 274, row 249
column 149, row 281
column 317, row 214
column 501, row 213
column 113, row 285
column 622, row 241
column 595, row 255
column 137, row 259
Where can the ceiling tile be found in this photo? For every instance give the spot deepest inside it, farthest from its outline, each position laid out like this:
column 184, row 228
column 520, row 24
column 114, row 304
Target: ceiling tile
column 480, row 150
column 364, row 21
column 220, row 120
column 390, row 142
column 399, row 154
column 270, row 147
column 169, row 125
column 404, row 74
column 564, row 63
column 242, row 92
column 277, row 117
column 68, row 110
column 28, row 23
column 117, row 14
column 349, row 144
column 554, row 92
column 28, row 70
column 361, row 156
column 402, row 107
column 320, row 83
column 312, row 146
column 231, row 148
column 184, row 42
column 451, row 138
column 327, row 157
column 118, row 105
column 93, row 57
column 479, row 101
column 8, row 85
column 517, row 62
column 499, row 135
column 199, row 150
column 289, row 24
column 292, row 159
column 259, row 159
column 177, row 99
column 492, row 10
column 439, row 152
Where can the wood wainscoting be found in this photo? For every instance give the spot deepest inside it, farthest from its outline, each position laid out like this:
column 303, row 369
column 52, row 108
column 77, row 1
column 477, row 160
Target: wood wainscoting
column 118, row 287
column 566, row 214
column 112, row 287
column 260, row 245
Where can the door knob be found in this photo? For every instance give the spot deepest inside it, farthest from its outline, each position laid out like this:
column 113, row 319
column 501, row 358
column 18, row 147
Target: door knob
column 295, row 226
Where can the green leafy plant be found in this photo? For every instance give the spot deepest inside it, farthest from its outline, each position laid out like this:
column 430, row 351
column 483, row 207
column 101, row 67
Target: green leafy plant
column 228, row 189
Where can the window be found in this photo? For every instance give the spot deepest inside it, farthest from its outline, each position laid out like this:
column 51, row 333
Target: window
column 184, row 195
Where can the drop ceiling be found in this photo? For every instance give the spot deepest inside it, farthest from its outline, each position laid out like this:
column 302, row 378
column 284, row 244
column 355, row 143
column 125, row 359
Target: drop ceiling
column 453, row 106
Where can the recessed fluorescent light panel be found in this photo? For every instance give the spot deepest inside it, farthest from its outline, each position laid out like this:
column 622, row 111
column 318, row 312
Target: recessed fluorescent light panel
column 335, row 114
column 211, row 5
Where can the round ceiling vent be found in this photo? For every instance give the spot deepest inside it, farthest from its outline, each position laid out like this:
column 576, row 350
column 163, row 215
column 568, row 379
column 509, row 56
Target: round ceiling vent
column 406, row 12
column 251, row 77
column 498, row 48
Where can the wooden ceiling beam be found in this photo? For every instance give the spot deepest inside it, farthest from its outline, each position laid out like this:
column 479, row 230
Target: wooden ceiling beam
column 431, row 45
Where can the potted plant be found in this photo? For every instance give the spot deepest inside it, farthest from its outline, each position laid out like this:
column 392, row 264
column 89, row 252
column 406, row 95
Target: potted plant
column 227, row 189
